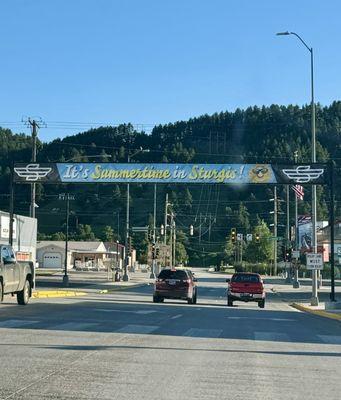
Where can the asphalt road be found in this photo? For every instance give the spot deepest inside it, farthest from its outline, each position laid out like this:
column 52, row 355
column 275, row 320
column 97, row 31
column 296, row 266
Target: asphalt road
column 122, row 346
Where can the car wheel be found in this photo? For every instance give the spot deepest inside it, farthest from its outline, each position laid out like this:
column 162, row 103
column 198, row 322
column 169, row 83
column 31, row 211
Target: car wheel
column 195, row 298
column 24, row 295
column 156, row 299
column 261, row 304
column 229, row 302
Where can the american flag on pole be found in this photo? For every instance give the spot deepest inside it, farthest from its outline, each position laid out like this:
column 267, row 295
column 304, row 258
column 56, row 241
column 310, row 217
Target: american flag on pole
column 299, row 191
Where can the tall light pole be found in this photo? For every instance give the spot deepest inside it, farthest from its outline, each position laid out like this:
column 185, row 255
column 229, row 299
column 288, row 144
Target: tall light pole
column 129, row 157
column 314, row 296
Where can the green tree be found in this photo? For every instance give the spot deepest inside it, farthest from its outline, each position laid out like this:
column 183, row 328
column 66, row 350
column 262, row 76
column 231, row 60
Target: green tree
column 84, row 232
column 262, row 251
column 108, row 234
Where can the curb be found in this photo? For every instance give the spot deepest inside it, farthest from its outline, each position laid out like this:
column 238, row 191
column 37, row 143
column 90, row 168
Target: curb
column 320, row 313
column 42, row 294
column 115, row 289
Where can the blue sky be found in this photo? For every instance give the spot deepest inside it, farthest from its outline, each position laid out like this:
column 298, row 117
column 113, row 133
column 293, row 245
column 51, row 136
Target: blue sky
column 153, row 61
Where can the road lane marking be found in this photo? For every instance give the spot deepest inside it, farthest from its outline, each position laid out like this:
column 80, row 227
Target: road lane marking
column 264, row 319
column 177, row 316
column 16, row 323
column 141, row 312
column 272, row 336
column 138, row 329
column 73, row 326
column 207, row 333
column 329, row 339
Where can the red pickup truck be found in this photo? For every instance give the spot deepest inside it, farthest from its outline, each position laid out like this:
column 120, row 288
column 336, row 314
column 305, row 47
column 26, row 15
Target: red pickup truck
column 246, row 286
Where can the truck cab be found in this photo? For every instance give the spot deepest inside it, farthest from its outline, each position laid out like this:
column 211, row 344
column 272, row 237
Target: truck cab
column 15, row 277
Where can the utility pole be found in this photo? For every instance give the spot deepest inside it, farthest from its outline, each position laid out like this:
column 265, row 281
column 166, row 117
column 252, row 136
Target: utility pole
column 166, row 218
column 34, row 128
column 171, row 239
column 174, row 243
column 200, row 229
column 296, row 283
column 274, row 212
column 288, row 277
column 152, row 273
column 67, row 197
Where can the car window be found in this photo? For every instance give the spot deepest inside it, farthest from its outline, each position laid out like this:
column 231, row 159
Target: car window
column 169, row 274
column 245, row 278
column 4, row 253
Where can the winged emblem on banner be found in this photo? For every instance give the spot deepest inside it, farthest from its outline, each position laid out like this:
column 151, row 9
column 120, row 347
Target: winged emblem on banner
column 32, row 172
column 303, row 173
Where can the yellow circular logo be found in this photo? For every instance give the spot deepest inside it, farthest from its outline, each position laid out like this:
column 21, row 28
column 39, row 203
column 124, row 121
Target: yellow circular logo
column 260, row 173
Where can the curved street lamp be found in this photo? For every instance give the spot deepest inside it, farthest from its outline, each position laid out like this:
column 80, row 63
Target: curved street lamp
column 314, row 297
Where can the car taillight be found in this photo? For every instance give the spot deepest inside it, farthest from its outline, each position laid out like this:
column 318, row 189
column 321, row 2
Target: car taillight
column 159, row 280
column 186, row 281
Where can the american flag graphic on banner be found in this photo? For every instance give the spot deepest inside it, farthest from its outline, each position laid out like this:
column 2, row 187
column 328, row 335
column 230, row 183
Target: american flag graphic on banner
column 299, row 191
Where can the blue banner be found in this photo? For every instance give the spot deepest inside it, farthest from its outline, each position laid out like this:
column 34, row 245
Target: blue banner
column 236, row 174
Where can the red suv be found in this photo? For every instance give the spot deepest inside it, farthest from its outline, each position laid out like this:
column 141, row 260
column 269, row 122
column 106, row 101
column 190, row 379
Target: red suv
column 175, row 284
column 246, row 286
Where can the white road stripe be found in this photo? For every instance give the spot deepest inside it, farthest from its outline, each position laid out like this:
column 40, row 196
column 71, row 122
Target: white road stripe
column 263, row 319
column 16, row 323
column 272, row 336
column 141, row 312
column 73, row 326
column 207, row 333
column 138, row 329
column 177, row 316
column 329, row 339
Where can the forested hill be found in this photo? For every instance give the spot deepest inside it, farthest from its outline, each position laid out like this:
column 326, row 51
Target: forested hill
column 266, row 134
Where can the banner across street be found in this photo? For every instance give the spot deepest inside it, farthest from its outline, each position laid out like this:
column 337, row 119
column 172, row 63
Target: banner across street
column 170, row 173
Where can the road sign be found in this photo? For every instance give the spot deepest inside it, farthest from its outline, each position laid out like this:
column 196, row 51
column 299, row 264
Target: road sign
column 139, row 229
column 314, row 261
column 296, row 254
column 240, row 237
column 339, row 251
column 249, row 237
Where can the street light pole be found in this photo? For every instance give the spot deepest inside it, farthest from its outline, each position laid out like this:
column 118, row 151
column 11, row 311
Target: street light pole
column 314, row 297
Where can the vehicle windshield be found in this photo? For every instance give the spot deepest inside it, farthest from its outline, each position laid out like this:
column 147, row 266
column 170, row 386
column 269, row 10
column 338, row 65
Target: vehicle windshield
column 245, row 278
column 169, row 274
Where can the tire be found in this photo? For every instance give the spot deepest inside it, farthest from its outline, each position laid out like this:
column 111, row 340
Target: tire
column 229, row 302
column 195, row 298
column 24, row 295
column 261, row 304
column 157, row 299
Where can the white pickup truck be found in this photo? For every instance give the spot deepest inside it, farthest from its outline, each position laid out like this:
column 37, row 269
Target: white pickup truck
column 16, row 277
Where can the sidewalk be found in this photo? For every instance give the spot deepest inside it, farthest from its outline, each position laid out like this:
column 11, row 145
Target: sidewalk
column 50, row 283
column 300, row 298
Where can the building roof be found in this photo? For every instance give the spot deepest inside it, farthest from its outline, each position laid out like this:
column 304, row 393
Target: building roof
column 90, row 247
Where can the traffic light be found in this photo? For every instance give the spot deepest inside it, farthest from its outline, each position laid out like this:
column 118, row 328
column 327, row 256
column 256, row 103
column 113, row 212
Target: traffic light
column 162, row 230
column 257, row 238
column 233, row 235
column 157, row 252
column 191, row 230
column 153, row 252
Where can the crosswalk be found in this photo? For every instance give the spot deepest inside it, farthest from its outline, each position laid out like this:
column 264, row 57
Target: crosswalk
column 184, row 331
